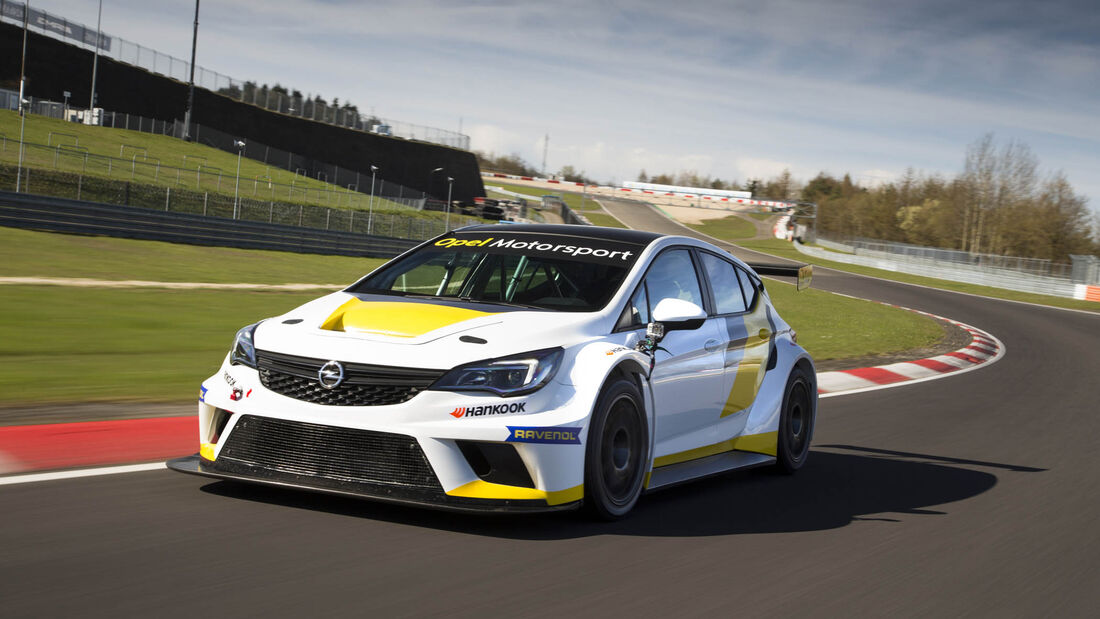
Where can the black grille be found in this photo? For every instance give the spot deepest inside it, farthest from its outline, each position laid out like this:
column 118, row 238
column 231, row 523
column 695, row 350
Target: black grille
column 340, row 454
column 363, row 385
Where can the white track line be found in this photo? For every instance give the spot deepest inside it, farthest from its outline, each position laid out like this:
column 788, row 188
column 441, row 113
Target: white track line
column 83, row 282
column 106, row 470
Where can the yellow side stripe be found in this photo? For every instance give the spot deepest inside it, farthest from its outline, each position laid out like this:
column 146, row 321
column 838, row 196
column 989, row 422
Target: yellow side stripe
column 206, row 451
column 765, row 443
column 481, row 489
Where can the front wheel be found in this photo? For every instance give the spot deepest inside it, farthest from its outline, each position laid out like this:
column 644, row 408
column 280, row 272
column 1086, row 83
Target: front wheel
column 617, row 452
column 796, row 423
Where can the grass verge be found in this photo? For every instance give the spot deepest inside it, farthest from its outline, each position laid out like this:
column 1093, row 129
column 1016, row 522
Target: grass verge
column 732, row 227
column 80, row 344
column 603, row 219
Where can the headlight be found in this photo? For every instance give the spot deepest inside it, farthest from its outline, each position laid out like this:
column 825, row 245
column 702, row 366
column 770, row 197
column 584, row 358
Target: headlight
column 507, row 376
column 244, row 349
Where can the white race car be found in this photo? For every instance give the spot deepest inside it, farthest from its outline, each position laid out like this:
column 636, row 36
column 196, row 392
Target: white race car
column 519, row 367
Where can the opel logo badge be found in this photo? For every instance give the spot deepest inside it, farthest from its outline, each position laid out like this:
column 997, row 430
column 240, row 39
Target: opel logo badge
column 331, row 375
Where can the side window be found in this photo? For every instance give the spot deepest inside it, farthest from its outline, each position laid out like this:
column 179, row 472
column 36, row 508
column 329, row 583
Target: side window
column 636, row 312
column 723, row 282
column 748, row 287
column 672, row 276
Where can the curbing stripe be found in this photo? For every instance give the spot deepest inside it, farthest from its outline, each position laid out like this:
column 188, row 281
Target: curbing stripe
column 982, row 349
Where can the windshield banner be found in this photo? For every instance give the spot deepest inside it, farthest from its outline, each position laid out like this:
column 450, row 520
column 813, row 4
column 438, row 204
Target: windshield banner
column 544, row 246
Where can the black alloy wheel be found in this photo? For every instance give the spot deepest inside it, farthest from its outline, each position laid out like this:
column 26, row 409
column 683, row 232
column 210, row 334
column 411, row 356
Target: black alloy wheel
column 796, row 423
column 617, row 453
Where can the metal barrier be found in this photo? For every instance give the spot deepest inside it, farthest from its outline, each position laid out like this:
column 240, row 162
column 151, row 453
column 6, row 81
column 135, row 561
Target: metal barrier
column 914, row 264
column 81, row 217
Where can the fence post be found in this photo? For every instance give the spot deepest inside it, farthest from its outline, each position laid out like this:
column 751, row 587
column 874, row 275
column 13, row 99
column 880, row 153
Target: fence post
column 351, row 221
column 79, row 182
column 167, row 196
column 300, row 209
column 328, row 217
column 270, row 212
column 205, row 195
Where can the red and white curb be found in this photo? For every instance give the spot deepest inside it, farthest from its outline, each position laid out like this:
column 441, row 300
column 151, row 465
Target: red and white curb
column 983, row 349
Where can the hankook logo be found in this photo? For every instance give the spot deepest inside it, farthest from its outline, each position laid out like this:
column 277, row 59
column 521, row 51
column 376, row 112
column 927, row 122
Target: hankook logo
column 331, row 375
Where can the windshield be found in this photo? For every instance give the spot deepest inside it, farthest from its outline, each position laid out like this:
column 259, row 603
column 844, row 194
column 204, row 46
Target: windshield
column 549, row 272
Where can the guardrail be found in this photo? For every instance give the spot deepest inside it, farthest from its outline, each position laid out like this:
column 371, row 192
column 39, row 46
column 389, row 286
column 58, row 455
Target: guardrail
column 984, row 276
column 50, row 214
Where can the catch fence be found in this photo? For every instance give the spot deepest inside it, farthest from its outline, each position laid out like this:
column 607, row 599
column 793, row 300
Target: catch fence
column 179, row 199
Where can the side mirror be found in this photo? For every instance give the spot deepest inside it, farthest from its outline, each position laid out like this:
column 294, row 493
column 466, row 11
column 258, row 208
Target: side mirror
column 678, row 315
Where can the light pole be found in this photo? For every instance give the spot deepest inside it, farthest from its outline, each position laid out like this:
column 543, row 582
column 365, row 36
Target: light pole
column 22, row 101
column 370, row 213
column 240, row 151
column 191, row 83
column 450, row 184
column 95, row 62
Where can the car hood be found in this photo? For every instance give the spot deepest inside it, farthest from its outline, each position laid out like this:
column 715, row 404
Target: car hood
column 413, row 332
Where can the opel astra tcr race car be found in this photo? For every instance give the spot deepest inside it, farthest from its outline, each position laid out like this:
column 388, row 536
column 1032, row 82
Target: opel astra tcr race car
column 518, row 367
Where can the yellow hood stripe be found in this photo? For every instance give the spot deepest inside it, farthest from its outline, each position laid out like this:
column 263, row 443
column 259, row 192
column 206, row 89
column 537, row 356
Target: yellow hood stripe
column 396, row 319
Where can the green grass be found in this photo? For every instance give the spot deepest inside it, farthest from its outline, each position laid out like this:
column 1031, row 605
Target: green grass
column 732, row 227
column 603, row 219
column 761, row 216
column 43, row 254
column 84, row 344
column 830, row 326
column 784, row 249
column 171, row 153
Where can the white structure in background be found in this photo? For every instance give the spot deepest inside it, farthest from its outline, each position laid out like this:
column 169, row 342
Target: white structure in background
column 691, row 191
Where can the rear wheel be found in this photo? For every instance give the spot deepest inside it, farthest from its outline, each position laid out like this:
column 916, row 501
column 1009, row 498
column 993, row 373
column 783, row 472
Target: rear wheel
column 617, row 452
column 796, row 423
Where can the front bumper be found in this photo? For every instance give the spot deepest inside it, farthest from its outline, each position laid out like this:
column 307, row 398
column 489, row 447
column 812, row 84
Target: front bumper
column 351, row 450
column 195, row 465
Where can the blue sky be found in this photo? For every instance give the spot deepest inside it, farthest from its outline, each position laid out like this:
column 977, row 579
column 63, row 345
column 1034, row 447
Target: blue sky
column 733, row 89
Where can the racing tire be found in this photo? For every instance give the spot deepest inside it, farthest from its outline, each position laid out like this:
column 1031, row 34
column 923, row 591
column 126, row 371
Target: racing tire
column 796, row 422
column 617, row 453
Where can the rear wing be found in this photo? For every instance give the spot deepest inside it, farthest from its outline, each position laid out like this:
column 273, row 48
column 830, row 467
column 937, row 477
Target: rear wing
column 804, row 272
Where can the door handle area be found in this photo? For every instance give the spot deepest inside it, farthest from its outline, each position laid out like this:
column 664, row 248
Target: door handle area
column 712, row 345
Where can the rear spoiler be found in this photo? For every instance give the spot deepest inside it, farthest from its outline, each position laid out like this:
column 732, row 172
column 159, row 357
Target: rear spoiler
column 804, row 272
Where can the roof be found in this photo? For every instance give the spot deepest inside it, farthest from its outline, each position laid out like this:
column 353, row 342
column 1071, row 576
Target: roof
column 637, row 237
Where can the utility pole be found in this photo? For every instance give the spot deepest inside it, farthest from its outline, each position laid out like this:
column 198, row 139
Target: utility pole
column 191, row 84
column 95, row 62
column 22, row 92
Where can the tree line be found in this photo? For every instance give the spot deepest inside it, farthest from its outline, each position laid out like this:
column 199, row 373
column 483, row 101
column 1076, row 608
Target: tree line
column 999, row 204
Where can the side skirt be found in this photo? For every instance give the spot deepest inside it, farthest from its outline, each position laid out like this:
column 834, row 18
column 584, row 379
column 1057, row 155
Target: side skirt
column 674, row 474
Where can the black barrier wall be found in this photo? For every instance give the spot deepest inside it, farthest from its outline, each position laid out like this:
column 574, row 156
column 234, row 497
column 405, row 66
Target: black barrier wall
column 54, row 67
column 19, row 210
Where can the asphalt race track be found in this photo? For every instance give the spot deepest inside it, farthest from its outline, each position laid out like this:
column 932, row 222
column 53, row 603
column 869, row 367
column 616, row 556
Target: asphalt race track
column 976, row 494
